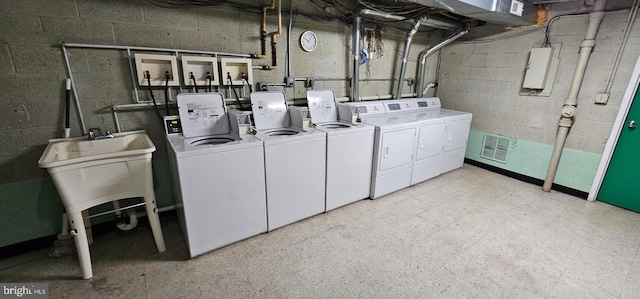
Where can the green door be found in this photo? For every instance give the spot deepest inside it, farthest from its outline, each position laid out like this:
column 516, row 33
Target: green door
column 621, row 185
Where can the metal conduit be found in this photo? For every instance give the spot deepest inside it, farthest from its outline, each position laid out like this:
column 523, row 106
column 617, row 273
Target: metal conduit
column 427, row 52
column 405, row 57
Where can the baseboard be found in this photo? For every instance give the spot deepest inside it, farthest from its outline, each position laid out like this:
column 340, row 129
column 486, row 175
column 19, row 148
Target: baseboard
column 47, row 241
column 528, row 179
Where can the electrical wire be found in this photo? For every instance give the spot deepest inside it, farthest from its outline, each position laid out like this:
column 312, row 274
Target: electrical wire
column 195, row 84
column 234, row 91
column 250, row 88
column 153, row 98
column 166, row 92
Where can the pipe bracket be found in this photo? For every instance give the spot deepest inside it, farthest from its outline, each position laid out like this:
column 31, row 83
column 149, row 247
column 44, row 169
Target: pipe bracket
column 588, row 43
column 568, row 111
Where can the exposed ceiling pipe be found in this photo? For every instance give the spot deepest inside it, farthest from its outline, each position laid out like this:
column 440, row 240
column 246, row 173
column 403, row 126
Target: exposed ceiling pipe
column 357, row 23
column 430, row 50
column 405, row 57
column 571, row 102
column 355, row 84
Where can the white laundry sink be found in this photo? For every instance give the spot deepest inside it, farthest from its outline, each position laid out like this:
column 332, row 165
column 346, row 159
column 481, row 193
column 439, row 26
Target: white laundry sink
column 67, row 151
column 88, row 173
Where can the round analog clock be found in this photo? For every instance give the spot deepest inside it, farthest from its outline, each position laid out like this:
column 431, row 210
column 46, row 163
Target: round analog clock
column 308, row 41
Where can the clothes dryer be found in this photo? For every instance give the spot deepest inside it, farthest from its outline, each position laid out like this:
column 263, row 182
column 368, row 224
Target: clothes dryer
column 393, row 142
column 430, row 139
column 294, row 162
column 349, row 149
column 218, row 176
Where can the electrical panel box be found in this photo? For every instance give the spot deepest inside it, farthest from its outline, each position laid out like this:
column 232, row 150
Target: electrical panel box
column 157, row 66
column 236, row 67
column 201, row 67
column 538, row 68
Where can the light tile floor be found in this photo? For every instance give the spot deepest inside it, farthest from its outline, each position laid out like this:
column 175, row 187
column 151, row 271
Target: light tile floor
column 467, row 233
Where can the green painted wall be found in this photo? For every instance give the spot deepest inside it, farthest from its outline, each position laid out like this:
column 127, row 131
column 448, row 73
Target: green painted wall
column 576, row 170
column 32, row 209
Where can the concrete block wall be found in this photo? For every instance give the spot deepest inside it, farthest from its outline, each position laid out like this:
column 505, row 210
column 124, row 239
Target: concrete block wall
column 485, row 78
column 32, row 80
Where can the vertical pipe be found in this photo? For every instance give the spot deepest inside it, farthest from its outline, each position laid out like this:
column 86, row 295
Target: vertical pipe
column 133, row 76
column 405, row 57
column 427, row 52
column 75, row 92
column 570, row 103
column 355, row 80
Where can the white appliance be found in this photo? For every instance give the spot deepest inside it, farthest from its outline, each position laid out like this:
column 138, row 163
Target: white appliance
column 294, row 162
column 218, row 176
column 458, row 124
column 430, row 138
column 349, row 149
column 393, row 143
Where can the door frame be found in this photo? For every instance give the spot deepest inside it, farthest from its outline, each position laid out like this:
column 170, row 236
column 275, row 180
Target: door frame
column 619, row 123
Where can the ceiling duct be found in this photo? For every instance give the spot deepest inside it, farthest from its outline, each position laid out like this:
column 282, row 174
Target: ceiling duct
column 501, row 12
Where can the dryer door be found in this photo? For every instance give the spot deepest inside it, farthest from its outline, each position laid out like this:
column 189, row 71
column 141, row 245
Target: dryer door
column 396, row 148
column 430, row 141
column 457, row 134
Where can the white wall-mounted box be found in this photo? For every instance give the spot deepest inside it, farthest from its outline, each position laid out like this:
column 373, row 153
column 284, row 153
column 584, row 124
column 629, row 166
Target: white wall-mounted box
column 538, row 68
column 235, row 67
column 200, row 66
column 157, row 66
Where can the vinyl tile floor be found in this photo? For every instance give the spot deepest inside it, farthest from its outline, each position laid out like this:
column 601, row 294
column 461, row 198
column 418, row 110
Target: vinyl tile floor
column 467, row 233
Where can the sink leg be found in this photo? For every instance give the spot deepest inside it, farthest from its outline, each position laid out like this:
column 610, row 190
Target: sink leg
column 82, row 244
column 154, row 221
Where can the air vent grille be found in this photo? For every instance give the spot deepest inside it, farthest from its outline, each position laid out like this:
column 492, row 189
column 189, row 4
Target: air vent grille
column 495, row 148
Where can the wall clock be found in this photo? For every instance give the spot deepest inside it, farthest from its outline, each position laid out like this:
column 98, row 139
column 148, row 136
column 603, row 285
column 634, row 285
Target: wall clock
column 308, row 41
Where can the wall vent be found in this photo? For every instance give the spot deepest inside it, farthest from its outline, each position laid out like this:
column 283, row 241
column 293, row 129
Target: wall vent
column 495, row 148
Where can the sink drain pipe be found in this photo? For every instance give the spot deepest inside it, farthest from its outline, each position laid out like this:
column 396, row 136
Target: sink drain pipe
column 568, row 112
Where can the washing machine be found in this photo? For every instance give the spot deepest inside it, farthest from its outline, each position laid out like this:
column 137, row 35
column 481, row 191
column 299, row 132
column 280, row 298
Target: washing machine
column 349, row 149
column 294, row 161
column 218, row 176
column 394, row 141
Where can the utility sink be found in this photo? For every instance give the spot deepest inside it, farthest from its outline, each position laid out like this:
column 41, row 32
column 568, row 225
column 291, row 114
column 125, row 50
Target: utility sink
column 88, row 173
column 67, row 151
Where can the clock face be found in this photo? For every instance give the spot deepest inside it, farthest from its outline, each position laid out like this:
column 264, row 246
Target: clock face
column 308, row 41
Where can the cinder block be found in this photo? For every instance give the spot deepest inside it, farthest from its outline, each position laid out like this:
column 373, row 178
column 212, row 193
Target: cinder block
column 21, row 29
column 116, row 11
column 6, row 63
column 146, row 36
column 214, row 19
column 474, row 59
column 55, row 8
column 196, row 40
column 19, row 88
column 60, row 30
column 38, row 59
column 508, row 60
column 171, row 18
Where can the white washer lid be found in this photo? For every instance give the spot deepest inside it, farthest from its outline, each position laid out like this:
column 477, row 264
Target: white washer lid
column 202, row 114
column 269, row 110
column 322, row 106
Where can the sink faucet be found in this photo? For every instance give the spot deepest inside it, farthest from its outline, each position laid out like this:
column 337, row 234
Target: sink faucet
column 96, row 134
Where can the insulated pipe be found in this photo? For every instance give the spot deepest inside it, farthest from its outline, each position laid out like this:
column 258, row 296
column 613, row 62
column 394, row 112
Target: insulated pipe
column 355, row 90
column 569, row 110
column 427, row 52
column 405, row 56
column 263, row 29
